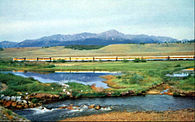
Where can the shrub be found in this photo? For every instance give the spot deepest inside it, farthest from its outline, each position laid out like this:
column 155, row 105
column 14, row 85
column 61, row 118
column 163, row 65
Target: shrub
column 60, row 60
column 178, row 65
column 35, row 100
column 136, row 60
column 9, row 112
column 1, row 49
column 9, row 92
column 49, row 66
column 125, row 61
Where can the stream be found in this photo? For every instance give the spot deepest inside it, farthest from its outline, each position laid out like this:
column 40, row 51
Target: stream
column 130, row 104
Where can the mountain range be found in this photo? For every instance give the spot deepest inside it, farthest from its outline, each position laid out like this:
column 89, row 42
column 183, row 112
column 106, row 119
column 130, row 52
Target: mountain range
column 104, row 38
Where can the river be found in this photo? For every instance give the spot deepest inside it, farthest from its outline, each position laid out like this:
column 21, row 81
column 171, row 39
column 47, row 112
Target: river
column 130, row 104
column 83, row 77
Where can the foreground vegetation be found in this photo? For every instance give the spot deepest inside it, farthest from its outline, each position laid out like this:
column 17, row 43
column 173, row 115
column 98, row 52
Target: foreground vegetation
column 17, row 85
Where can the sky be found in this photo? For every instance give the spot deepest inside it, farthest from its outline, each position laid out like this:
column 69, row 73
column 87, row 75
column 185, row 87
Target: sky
column 32, row 19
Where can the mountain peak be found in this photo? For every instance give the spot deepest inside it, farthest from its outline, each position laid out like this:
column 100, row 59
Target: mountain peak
column 112, row 31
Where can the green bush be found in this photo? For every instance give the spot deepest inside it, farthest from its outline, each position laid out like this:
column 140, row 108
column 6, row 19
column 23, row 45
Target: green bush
column 49, row 66
column 9, row 112
column 35, row 100
column 136, row 60
column 125, row 61
column 1, row 49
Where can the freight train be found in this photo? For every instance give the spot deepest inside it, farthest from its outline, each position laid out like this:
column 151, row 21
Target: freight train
column 107, row 58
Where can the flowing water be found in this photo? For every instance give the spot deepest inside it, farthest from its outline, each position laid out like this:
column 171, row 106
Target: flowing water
column 133, row 103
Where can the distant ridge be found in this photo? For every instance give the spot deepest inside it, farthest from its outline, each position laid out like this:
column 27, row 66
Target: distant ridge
column 104, row 38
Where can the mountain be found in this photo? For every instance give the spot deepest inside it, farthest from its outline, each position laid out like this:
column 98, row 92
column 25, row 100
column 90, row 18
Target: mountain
column 104, row 38
column 7, row 44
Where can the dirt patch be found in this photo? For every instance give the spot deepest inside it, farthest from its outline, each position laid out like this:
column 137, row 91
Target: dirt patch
column 180, row 115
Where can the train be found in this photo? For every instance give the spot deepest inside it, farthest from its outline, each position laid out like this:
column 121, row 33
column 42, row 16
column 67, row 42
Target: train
column 106, row 58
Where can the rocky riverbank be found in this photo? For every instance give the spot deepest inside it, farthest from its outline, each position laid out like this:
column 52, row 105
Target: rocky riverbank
column 179, row 115
column 8, row 115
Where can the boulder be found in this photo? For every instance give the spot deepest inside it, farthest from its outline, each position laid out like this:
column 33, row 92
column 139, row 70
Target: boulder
column 25, row 105
column 7, row 98
column 19, row 106
column 14, row 104
column 131, row 92
column 24, row 101
column 8, row 103
column 98, row 107
column 13, row 98
column 91, row 106
column 18, row 97
column 70, row 108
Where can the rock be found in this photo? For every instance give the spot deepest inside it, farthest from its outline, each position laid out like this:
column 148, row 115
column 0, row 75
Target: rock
column 8, row 103
column 98, row 107
column 19, row 106
column 13, row 98
column 2, row 96
column 24, row 101
column 84, row 106
column 18, row 97
column 62, row 107
column 25, row 105
column 7, row 98
column 70, row 108
column 14, row 104
column 131, row 92
column 109, row 94
column 91, row 106
column 31, row 105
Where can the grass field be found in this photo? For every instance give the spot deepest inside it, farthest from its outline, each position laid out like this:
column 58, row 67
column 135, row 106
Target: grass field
column 110, row 50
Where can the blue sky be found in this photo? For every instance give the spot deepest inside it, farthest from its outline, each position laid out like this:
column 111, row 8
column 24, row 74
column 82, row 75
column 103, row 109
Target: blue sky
column 31, row 19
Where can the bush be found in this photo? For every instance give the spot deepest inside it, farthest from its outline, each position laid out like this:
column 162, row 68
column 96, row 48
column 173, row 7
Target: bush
column 9, row 92
column 49, row 66
column 60, row 60
column 35, row 100
column 125, row 61
column 9, row 112
column 136, row 60
column 1, row 49
column 178, row 65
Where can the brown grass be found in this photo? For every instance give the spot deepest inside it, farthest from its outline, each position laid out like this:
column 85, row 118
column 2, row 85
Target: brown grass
column 180, row 115
column 110, row 50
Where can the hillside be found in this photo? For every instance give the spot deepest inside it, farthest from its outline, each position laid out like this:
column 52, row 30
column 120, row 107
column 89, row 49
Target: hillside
column 116, row 49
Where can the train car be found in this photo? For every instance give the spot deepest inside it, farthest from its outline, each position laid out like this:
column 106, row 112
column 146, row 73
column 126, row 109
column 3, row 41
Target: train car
column 19, row 59
column 108, row 58
column 181, row 57
column 61, row 58
column 44, row 59
column 82, row 58
column 31, row 59
column 156, row 58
